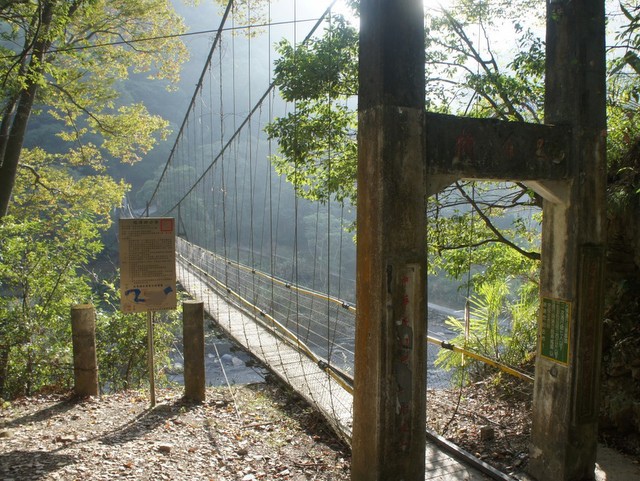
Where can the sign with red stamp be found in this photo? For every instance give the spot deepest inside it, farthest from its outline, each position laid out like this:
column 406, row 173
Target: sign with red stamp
column 147, row 264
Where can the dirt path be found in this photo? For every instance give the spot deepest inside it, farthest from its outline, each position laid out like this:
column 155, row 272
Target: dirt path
column 254, row 432
column 259, row 432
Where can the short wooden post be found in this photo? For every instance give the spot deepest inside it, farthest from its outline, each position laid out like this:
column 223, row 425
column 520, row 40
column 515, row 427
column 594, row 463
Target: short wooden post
column 85, row 361
column 193, row 347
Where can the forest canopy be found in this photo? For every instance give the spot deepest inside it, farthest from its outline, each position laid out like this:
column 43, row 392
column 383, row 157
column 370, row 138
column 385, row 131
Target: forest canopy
column 63, row 69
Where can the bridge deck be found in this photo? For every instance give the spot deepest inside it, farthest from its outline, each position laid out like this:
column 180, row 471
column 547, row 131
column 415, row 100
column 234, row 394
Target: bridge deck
column 301, row 373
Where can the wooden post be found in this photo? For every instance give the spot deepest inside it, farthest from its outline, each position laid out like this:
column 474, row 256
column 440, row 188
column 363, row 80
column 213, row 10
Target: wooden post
column 85, row 362
column 390, row 379
column 565, row 403
column 151, row 359
column 193, row 347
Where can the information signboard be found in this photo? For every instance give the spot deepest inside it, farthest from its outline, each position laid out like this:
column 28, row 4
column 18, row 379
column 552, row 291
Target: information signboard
column 555, row 335
column 147, row 264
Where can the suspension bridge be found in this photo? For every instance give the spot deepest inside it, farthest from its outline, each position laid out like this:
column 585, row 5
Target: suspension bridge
column 315, row 358
column 271, row 250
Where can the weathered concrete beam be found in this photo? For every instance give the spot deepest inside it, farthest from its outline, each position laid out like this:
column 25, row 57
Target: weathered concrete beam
column 554, row 191
column 471, row 148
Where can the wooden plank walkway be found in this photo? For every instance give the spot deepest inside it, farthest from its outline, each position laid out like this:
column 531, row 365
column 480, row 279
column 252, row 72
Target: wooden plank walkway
column 297, row 370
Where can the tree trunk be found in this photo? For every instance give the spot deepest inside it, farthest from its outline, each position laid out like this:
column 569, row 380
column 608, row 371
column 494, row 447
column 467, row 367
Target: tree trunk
column 16, row 133
column 8, row 114
column 28, row 385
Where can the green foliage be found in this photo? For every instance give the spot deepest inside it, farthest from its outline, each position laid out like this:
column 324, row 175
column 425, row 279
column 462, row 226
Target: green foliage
column 47, row 188
column 628, row 41
column 321, row 68
column 53, row 233
column 489, row 230
column 318, row 152
column 65, row 61
column 500, row 328
column 70, row 57
column 317, row 144
column 40, row 283
column 122, row 343
column 466, row 73
column 623, row 149
column 623, row 100
column 44, row 251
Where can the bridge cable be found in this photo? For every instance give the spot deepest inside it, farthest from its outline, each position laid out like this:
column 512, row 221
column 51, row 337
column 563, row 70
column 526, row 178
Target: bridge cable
column 244, row 122
column 216, row 41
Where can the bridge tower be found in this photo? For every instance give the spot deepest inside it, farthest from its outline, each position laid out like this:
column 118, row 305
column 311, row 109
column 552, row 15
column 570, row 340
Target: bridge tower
column 406, row 154
column 389, row 387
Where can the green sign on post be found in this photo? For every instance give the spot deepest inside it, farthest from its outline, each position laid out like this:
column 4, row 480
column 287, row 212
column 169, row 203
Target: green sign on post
column 554, row 341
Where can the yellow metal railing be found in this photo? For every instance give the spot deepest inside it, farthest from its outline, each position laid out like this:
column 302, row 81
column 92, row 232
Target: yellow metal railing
column 285, row 334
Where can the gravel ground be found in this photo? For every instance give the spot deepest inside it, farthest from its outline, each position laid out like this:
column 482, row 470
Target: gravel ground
column 259, row 431
column 254, row 432
column 489, row 419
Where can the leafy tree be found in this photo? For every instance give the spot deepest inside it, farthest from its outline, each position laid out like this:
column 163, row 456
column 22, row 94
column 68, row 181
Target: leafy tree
column 65, row 59
column 53, row 231
column 489, row 229
column 318, row 151
column 317, row 145
column 465, row 73
column 623, row 102
column 39, row 286
column 622, row 305
column 627, row 41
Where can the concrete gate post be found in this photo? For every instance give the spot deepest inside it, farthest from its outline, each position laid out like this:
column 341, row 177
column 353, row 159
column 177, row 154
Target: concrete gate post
column 565, row 404
column 390, row 380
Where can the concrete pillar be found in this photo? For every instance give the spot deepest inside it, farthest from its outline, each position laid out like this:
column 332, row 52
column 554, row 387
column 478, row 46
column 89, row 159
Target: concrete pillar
column 193, row 347
column 390, row 380
column 565, row 404
column 85, row 362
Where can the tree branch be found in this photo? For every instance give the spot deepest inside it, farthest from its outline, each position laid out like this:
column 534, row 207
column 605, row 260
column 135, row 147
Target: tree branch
column 82, row 109
column 38, row 178
column 469, row 245
column 459, row 30
column 500, row 238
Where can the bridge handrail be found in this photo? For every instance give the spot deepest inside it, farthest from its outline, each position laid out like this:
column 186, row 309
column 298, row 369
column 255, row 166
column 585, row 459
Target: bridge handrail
column 344, row 379
column 289, row 285
column 281, row 331
column 479, row 357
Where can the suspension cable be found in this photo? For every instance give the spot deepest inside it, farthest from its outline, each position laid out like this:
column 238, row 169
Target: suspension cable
column 207, row 63
column 244, row 122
